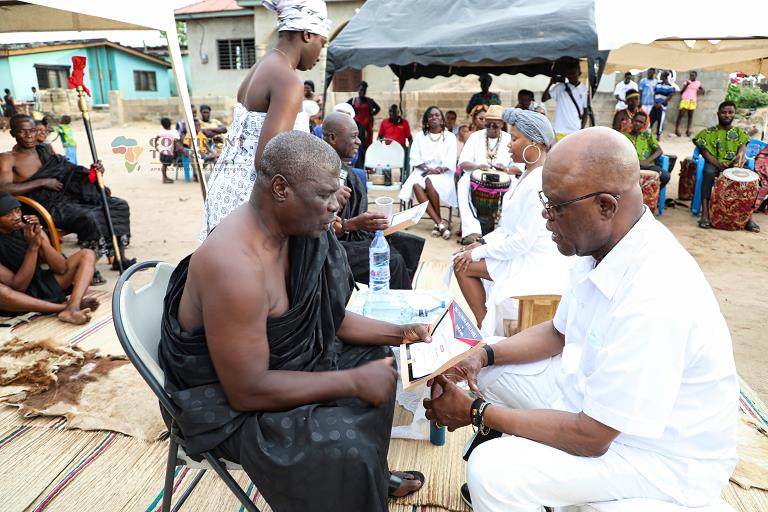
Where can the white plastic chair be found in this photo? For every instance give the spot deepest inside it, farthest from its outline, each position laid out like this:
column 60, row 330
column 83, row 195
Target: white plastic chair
column 381, row 153
column 137, row 316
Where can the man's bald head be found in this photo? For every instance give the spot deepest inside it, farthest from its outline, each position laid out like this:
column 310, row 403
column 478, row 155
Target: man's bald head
column 298, row 157
column 603, row 164
column 340, row 131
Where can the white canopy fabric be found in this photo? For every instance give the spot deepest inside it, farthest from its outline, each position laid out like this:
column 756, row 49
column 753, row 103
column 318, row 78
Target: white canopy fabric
column 684, row 34
column 48, row 16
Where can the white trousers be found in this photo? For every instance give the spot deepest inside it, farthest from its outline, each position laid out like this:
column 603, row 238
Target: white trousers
column 469, row 223
column 513, row 474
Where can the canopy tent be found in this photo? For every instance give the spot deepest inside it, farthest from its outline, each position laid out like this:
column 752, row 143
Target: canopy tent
column 48, row 16
column 686, row 35
column 432, row 38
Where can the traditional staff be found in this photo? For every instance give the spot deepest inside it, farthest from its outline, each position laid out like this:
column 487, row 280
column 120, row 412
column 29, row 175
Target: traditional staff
column 76, row 82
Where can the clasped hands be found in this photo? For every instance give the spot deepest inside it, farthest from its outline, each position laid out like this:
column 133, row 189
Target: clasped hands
column 449, row 405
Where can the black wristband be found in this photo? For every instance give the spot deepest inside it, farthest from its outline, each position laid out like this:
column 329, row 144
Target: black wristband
column 489, row 351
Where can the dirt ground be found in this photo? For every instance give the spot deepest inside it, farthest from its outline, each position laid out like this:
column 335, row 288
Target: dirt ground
column 166, row 221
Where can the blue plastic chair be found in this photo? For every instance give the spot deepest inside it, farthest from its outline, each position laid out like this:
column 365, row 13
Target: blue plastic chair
column 696, row 203
column 754, row 146
column 663, row 162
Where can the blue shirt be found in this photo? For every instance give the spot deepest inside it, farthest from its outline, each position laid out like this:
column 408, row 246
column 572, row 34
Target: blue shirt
column 647, row 89
column 663, row 92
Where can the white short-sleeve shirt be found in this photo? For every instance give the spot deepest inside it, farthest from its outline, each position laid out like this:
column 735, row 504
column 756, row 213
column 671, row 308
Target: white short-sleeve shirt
column 648, row 353
column 567, row 118
column 621, row 91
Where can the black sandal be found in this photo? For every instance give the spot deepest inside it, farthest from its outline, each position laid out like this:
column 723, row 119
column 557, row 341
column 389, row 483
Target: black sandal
column 396, row 481
column 752, row 226
column 126, row 263
column 97, row 279
column 704, row 224
column 470, row 239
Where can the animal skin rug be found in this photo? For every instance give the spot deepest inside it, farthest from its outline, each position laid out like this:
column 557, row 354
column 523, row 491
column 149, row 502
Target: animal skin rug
column 92, row 391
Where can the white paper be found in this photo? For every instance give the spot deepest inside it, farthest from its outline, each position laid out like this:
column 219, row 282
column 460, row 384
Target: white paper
column 415, row 214
column 427, row 357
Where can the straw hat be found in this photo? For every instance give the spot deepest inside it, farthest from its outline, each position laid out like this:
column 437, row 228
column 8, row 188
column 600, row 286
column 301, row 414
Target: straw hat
column 494, row 113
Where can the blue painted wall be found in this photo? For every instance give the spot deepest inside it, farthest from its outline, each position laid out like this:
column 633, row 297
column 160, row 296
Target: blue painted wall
column 107, row 69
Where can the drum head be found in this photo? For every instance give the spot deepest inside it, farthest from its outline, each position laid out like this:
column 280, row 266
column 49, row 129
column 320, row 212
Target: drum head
column 652, row 174
column 740, row 175
column 501, row 177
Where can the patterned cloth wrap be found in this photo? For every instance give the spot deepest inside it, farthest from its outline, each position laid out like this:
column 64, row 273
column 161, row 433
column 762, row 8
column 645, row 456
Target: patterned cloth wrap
column 650, row 184
column 486, row 194
column 687, row 183
column 761, row 168
column 731, row 203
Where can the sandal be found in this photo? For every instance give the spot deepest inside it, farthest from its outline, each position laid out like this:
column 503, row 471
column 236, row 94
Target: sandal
column 126, row 263
column 752, row 226
column 704, row 224
column 446, row 233
column 396, row 481
column 436, row 231
column 97, row 279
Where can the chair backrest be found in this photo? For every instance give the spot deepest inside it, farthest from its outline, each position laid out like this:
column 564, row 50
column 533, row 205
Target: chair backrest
column 696, row 153
column 535, row 309
column 137, row 315
column 380, row 153
column 754, row 146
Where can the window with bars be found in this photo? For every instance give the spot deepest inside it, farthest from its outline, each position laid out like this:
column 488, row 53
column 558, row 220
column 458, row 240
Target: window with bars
column 236, row 53
column 144, row 81
column 51, row 76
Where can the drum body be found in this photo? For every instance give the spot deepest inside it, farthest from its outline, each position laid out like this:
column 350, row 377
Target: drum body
column 487, row 190
column 733, row 197
column 650, row 184
column 687, row 184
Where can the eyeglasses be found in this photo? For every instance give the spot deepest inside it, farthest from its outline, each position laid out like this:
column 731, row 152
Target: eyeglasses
column 492, row 125
column 553, row 209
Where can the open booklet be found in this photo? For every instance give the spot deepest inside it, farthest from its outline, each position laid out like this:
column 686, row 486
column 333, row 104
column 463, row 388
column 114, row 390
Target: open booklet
column 454, row 337
column 406, row 218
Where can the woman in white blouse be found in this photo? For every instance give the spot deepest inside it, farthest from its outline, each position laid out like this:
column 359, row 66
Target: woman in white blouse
column 433, row 163
column 519, row 256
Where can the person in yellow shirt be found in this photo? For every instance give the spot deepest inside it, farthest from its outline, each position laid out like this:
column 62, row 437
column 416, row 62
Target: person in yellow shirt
column 203, row 149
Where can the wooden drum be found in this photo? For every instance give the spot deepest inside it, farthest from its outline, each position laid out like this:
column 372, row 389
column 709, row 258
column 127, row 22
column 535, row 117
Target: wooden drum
column 733, row 197
column 650, row 184
column 687, row 184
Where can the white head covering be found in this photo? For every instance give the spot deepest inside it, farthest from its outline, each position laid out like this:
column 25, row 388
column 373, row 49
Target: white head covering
column 301, row 15
column 532, row 124
column 345, row 108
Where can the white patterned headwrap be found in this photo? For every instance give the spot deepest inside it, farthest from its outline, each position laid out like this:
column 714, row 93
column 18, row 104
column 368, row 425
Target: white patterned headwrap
column 532, row 124
column 301, row 15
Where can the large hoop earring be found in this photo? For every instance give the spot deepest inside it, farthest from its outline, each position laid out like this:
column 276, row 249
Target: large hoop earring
column 537, row 156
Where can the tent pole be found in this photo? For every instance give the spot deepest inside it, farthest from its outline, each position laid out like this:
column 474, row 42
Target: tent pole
column 181, row 86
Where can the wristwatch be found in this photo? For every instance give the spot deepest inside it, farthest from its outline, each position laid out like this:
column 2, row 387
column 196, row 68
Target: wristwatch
column 489, row 352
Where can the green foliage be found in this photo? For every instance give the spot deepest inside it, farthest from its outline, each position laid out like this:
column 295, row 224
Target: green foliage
column 181, row 29
column 752, row 97
column 733, row 94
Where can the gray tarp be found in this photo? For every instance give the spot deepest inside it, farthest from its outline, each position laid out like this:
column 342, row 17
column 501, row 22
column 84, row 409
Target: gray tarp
column 428, row 38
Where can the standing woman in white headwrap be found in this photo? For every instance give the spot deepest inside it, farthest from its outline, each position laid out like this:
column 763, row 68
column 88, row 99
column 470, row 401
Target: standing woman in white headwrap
column 518, row 257
column 269, row 102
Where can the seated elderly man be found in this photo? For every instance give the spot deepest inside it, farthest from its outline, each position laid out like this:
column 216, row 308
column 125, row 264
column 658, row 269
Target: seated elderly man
column 355, row 225
column 616, row 397
column 65, row 190
column 24, row 285
column 265, row 363
column 646, row 146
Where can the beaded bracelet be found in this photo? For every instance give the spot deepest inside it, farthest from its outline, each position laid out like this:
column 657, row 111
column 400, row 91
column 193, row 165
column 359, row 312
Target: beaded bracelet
column 474, row 413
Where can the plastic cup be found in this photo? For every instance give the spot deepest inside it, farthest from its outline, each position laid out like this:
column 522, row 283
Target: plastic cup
column 385, row 205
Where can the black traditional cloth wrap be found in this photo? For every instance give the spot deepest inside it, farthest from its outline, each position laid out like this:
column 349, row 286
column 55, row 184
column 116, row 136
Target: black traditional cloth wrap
column 77, row 207
column 404, row 248
column 43, row 285
column 8, row 203
column 318, row 457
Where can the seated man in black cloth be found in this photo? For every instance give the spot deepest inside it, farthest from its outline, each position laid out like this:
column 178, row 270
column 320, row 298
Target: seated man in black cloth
column 64, row 189
column 24, row 285
column 356, row 225
column 261, row 357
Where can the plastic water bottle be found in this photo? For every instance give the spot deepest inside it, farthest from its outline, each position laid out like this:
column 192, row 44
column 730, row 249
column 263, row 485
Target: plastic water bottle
column 387, row 175
column 378, row 254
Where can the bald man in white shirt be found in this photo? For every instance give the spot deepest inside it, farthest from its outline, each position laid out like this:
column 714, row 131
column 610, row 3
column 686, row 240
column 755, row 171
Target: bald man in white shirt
column 619, row 396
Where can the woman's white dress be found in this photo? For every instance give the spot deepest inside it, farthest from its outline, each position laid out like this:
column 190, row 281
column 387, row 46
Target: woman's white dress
column 233, row 175
column 432, row 153
column 519, row 254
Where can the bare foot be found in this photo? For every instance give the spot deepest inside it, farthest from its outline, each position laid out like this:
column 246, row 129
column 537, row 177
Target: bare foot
column 91, row 303
column 80, row 317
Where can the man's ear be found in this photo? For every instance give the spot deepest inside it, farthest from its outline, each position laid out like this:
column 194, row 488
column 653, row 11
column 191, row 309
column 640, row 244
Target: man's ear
column 280, row 188
column 306, row 37
column 608, row 206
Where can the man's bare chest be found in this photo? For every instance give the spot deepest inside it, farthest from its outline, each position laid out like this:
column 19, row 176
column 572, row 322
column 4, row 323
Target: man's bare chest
column 25, row 166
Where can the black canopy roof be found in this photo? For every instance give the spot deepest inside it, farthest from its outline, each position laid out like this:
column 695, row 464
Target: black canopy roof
column 429, row 38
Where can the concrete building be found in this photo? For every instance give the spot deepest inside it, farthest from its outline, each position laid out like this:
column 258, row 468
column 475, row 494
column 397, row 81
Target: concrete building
column 109, row 67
